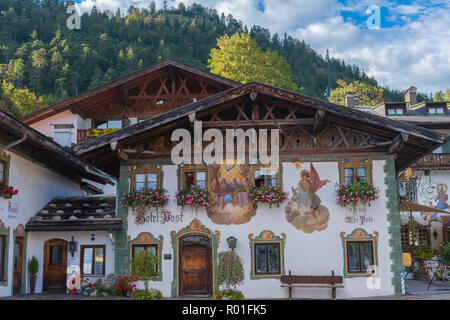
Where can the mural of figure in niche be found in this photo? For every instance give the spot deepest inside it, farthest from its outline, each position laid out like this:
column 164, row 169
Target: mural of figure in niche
column 304, row 210
column 434, row 195
column 229, row 188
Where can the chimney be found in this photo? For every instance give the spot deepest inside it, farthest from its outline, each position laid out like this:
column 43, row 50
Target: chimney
column 351, row 101
column 410, row 96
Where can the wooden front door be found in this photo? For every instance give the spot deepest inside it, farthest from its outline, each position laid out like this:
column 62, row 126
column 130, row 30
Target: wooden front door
column 55, row 266
column 195, row 270
column 17, row 266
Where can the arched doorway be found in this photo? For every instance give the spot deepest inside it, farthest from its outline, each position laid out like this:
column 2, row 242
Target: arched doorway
column 55, row 265
column 195, row 267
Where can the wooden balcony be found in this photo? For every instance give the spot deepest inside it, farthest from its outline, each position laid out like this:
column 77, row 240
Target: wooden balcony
column 433, row 161
column 86, row 134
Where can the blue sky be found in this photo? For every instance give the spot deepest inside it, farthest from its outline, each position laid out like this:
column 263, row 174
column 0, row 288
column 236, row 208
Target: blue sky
column 411, row 47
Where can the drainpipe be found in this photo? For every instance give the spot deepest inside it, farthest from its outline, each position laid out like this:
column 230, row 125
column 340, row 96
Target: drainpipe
column 116, row 181
column 15, row 143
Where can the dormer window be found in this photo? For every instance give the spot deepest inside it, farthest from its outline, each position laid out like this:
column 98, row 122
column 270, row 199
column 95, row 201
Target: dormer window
column 436, row 110
column 395, row 111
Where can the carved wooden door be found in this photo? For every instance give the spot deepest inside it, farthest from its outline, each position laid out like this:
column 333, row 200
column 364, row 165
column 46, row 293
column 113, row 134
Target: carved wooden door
column 195, row 270
column 55, row 266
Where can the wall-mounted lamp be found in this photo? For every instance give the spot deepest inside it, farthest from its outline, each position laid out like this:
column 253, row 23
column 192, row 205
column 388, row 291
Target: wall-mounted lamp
column 435, row 234
column 73, row 247
column 232, row 242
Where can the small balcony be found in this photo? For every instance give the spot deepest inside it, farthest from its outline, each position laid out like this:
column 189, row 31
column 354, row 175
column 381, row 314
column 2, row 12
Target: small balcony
column 433, row 161
column 84, row 135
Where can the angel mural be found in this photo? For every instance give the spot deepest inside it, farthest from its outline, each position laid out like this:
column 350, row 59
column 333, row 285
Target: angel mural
column 229, row 187
column 304, row 210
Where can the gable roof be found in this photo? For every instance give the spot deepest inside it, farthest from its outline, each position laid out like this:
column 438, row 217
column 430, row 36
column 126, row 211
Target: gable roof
column 116, row 84
column 393, row 127
column 43, row 150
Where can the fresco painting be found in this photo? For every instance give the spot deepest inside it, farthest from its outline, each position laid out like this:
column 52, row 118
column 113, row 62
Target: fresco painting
column 434, row 195
column 304, row 210
column 230, row 184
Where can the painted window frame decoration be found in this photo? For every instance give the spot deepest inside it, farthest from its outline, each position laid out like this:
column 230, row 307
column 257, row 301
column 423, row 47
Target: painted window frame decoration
column 193, row 168
column 147, row 238
column 5, row 160
column 4, row 232
column 82, row 255
column 360, row 235
column 254, row 168
column 146, row 169
column 355, row 163
column 266, row 237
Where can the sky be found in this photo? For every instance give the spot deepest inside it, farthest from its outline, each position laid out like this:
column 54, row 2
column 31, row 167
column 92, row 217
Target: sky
column 400, row 43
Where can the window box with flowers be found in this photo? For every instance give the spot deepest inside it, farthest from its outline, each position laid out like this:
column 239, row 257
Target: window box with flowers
column 273, row 196
column 140, row 200
column 194, row 198
column 359, row 193
column 6, row 191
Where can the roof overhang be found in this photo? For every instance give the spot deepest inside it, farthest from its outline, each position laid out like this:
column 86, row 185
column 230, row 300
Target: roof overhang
column 415, row 137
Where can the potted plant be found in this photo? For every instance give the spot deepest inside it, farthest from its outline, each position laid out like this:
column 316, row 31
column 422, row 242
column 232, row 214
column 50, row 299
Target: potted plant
column 357, row 193
column 139, row 200
column 230, row 273
column 194, row 198
column 218, row 294
column 33, row 268
column 273, row 196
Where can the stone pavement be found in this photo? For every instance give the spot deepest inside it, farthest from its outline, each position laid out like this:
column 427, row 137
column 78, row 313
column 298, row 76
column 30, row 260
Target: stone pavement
column 417, row 291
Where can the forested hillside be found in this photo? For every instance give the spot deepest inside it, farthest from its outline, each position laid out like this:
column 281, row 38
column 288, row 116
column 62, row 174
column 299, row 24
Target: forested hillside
column 39, row 53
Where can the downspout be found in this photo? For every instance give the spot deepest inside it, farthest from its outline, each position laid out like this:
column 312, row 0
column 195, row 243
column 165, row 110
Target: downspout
column 15, row 143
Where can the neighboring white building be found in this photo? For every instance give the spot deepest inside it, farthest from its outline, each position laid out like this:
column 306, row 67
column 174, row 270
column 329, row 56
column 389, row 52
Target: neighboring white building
column 41, row 171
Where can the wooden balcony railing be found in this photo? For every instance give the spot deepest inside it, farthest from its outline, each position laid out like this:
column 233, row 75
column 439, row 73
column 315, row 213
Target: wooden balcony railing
column 84, row 135
column 433, row 161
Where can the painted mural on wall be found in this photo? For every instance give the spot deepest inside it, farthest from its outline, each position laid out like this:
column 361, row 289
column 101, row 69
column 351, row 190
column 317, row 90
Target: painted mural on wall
column 229, row 187
column 433, row 194
column 304, row 210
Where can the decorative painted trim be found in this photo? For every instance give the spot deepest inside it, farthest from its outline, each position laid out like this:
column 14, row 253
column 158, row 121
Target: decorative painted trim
column 360, row 235
column 148, row 238
column 266, row 236
column 195, row 227
column 5, row 232
column 393, row 218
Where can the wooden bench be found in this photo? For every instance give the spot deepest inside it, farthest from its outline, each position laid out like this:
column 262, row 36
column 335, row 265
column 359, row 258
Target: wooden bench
column 290, row 281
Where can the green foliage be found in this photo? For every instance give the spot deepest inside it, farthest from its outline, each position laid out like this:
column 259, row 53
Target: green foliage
column 445, row 253
column 150, row 294
column 232, row 294
column 230, row 271
column 369, row 95
column 43, row 55
column 33, row 266
column 194, row 198
column 441, row 96
column 241, row 59
column 145, row 267
column 423, row 252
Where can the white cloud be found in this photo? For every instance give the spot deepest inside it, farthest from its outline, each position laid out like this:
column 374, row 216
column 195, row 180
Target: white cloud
column 417, row 52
